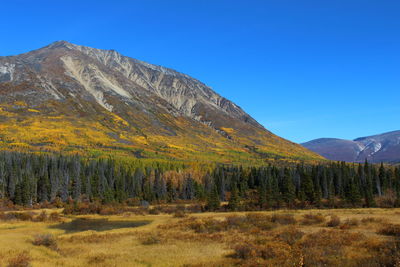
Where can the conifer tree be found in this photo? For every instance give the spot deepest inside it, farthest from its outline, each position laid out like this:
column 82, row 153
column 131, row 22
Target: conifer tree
column 213, row 201
column 234, row 200
column 288, row 189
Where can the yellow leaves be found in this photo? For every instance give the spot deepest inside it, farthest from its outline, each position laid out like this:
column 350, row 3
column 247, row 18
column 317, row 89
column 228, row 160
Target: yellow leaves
column 20, row 103
column 180, row 147
column 118, row 119
column 112, row 135
column 17, row 144
column 140, row 139
column 228, row 130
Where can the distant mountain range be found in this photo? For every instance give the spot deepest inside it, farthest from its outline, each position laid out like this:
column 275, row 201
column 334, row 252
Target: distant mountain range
column 377, row 148
column 72, row 98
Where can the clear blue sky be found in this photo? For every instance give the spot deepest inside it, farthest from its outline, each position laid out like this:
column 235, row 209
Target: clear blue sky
column 303, row 69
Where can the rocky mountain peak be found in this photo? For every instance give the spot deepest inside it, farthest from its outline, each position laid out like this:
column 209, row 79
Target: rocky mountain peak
column 72, row 80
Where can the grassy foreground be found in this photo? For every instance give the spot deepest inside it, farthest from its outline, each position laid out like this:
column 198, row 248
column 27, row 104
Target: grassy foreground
column 351, row 237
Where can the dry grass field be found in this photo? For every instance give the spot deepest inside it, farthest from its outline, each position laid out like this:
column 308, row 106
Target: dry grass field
column 351, row 237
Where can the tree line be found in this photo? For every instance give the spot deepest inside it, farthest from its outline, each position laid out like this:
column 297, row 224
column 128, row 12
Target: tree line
column 26, row 179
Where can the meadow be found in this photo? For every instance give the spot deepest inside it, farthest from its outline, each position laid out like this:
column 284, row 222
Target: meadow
column 328, row 237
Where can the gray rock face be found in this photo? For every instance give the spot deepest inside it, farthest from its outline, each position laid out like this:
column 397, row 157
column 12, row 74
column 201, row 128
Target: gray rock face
column 378, row 148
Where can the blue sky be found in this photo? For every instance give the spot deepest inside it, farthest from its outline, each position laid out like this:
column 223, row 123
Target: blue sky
column 303, row 69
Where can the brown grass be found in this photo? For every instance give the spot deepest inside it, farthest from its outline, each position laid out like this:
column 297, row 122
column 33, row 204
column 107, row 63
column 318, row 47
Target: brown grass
column 309, row 219
column 20, row 260
column 276, row 238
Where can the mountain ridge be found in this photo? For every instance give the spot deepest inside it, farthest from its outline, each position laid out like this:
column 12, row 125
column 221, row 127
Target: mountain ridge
column 383, row 147
column 125, row 102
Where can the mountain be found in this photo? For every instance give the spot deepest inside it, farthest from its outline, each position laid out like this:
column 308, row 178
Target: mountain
column 377, row 148
column 66, row 97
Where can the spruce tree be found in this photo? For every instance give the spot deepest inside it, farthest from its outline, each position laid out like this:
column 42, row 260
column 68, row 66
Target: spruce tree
column 288, row 189
column 213, row 201
column 234, row 200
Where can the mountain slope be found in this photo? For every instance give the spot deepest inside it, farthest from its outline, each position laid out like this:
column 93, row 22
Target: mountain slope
column 66, row 97
column 377, row 148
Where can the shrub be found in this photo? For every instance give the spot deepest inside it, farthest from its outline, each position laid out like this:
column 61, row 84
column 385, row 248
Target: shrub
column 349, row 223
column 278, row 252
column 7, row 216
column 327, row 247
column 206, row 225
column 21, row 260
column 390, row 229
column 380, row 253
column 54, row 217
column 42, row 217
column 6, row 204
column 265, row 225
column 283, row 219
column 309, row 219
column 234, row 221
column 151, row 239
column 258, row 217
column 133, row 202
column 372, row 220
column 108, row 210
column 245, row 250
column 180, row 214
column 289, row 235
column 334, row 221
column 24, row 216
column 154, row 211
column 98, row 258
column 46, row 240
column 195, row 208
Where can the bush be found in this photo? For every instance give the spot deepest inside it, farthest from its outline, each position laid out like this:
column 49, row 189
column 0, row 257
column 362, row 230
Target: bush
column 42, row 217
column 276, row 253
column 327, row 247
column 265, row 225
column 390, row 229
column 349, row 223
column 180, row 214
column 289, row 235
column 245, row 251
column 7, row 216
column 195, row 208
column 151, row 239
column 372, row 220
column 54, row 217
column 21, row 260
column 334, row 221
column 283, row 219
column 46, row 240
column 108, row 210
column 309, row 219
column 154, row 211
column 23, row 216
column 234, row 221
column 206, row 225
